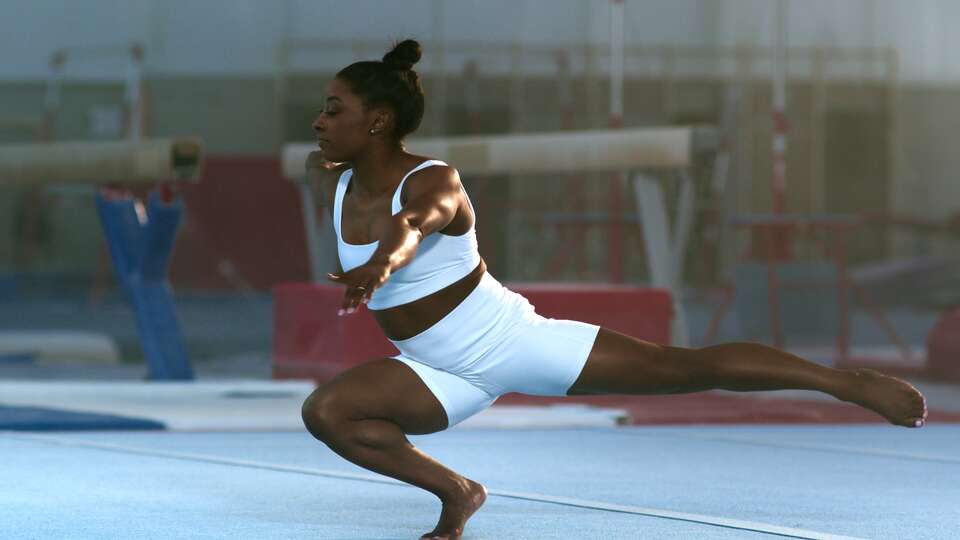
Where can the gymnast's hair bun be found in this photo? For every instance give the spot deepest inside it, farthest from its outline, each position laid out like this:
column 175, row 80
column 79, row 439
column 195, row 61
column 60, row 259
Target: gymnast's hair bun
column 403, row 55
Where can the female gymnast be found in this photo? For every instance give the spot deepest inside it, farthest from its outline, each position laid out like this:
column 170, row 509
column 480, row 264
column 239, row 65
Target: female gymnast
column 408, row 248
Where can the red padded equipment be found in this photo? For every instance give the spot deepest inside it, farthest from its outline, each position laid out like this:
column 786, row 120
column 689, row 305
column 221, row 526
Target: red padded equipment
column 943, row 347
column 311, row 341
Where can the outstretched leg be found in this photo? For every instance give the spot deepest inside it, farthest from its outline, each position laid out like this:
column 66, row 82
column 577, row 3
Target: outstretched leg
column 620, row 364
column 364, row 414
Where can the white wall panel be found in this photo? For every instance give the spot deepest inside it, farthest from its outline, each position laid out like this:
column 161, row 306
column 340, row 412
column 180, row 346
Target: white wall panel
column 30, row 30
column 240, row 37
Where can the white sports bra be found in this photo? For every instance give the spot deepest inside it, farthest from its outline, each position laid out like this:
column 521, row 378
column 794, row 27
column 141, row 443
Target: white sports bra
column 441, row 259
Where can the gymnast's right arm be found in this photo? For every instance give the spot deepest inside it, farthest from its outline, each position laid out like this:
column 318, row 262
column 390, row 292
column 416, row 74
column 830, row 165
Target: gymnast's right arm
column 432, row 204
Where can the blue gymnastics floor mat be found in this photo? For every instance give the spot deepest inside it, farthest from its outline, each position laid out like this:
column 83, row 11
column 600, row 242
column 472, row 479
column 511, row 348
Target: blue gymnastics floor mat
column 14, row 418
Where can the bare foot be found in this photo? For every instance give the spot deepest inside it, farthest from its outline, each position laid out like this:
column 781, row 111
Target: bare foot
column 456, row 512
column 894, row 399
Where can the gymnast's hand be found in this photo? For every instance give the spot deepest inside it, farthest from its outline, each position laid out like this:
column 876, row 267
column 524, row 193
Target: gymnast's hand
column 360, row 283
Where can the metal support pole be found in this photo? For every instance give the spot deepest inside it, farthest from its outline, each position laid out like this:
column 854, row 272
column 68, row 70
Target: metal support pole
column 843, row 296
column 311, row 230
column 817, row 107
column 661, row 253
column 439, row 99
column 683, row 223
column 771, row 234
column 615, row 240
column 779, row 107
column 51, row 102
column 133, row 95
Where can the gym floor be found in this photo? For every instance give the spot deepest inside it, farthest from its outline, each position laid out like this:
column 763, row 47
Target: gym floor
column 704, row 482
column 93, row 452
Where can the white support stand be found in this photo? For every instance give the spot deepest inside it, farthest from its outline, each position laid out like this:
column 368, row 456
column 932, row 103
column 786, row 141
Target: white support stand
column 321, row 239
column 665, row 258
column 312, row 231
column 682, row 223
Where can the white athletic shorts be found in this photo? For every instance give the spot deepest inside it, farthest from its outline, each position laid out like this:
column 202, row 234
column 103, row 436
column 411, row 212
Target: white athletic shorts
column 494, row 343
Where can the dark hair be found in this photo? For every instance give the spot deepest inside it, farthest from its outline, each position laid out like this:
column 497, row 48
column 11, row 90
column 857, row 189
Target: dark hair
column 391, row 82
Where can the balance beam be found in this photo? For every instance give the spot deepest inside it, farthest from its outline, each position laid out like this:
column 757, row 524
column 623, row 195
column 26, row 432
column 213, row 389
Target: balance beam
column 553, row 152
column 151, row 160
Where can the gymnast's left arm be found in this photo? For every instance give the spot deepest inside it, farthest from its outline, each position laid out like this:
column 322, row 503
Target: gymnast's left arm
column 433, row 199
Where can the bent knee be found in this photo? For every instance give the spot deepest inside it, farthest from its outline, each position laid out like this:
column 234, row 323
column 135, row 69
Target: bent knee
column 333, row 421
column 322, row 412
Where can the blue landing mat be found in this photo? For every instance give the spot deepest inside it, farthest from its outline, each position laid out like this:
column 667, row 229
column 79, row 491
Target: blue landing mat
column 14, row 418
